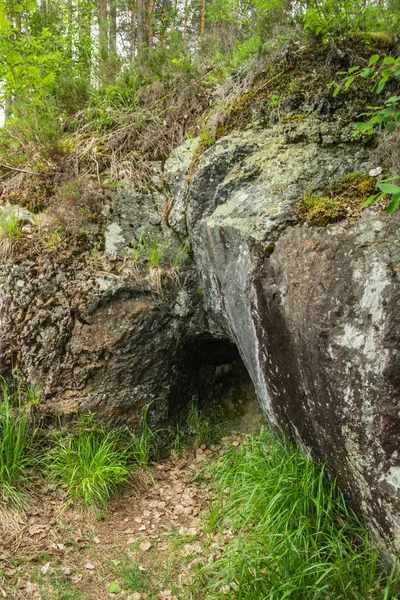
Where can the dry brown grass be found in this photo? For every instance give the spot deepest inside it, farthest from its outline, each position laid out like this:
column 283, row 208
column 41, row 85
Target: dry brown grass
column 387, row 155
column 104, row 153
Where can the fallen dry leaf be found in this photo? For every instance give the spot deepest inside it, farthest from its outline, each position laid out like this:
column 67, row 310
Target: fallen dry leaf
column 145, row 546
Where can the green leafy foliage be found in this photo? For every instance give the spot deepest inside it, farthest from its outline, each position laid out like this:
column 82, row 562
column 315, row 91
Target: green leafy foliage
column 330, row 19
column 381, row 71
column 114, row 588
column 296, row 538
column 386, row 189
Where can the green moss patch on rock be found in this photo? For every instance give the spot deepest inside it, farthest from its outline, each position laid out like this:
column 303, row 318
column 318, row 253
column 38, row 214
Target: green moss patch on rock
column 344, row 199
column 355, row 187
column 320, row 210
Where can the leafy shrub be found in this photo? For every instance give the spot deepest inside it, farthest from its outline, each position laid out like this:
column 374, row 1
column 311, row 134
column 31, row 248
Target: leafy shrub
column 330, row 18
column 32, row 136
column 380, row 71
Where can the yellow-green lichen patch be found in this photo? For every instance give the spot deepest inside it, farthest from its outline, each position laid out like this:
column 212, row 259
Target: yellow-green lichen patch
column 320, row 210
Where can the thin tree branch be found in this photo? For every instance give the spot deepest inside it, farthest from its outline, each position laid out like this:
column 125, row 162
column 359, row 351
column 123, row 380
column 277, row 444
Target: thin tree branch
column 16, row 169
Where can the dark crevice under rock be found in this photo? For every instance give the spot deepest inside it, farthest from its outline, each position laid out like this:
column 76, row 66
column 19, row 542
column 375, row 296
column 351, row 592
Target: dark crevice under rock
column 212, row 375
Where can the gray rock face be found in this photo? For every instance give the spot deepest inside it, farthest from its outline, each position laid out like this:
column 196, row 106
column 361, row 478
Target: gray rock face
column 313, row 311
column 107, row 334
column 95, row 341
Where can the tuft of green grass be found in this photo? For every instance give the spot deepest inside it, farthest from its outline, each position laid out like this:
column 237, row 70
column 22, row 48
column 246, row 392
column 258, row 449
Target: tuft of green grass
column 180, row 256
column 200, row 427
column 155, row 252
column 16, row 441
column 139, row 249
column 56, row 587
column 92, row 462
column 133, row 579
column 296, row 537
column 55, row 238
column 177, row 444
column 10, row 226
column 142, row 446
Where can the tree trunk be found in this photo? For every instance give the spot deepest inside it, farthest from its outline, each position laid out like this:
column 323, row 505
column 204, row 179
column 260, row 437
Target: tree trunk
column 164, row 24
column 140, row 33
column 70, row 31
column 113, row 60
column 185, row 19
column 132, row 34
column 103, row 39
column 85, row 37
column 43, row 10
column 113, row 29
column 149, row 22
column 202, row 19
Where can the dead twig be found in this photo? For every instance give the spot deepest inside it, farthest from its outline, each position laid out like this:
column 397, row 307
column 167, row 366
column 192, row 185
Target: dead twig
column 5, row 166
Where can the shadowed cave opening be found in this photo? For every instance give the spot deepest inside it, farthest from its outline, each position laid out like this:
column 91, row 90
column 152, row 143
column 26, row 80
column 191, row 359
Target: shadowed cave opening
column 213, row 376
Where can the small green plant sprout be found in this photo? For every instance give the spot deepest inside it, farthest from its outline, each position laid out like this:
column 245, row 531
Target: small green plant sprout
column 92, row 462
column 386, row 189
column 95, row 257
column 200, row 428
column 38, row 220
column 55, row 238
column 176, row 441
column 135, row 255
column 139, row 249
column 142, row 446
column 155, row 252
column 177, row 263
column 275, row 101
column 180, row 256
column 89, row 214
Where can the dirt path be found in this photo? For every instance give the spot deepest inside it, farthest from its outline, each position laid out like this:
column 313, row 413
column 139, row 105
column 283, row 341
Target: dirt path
column 149, row 545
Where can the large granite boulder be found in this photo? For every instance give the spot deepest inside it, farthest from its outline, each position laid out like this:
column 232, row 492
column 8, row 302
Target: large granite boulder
column 312, row 310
